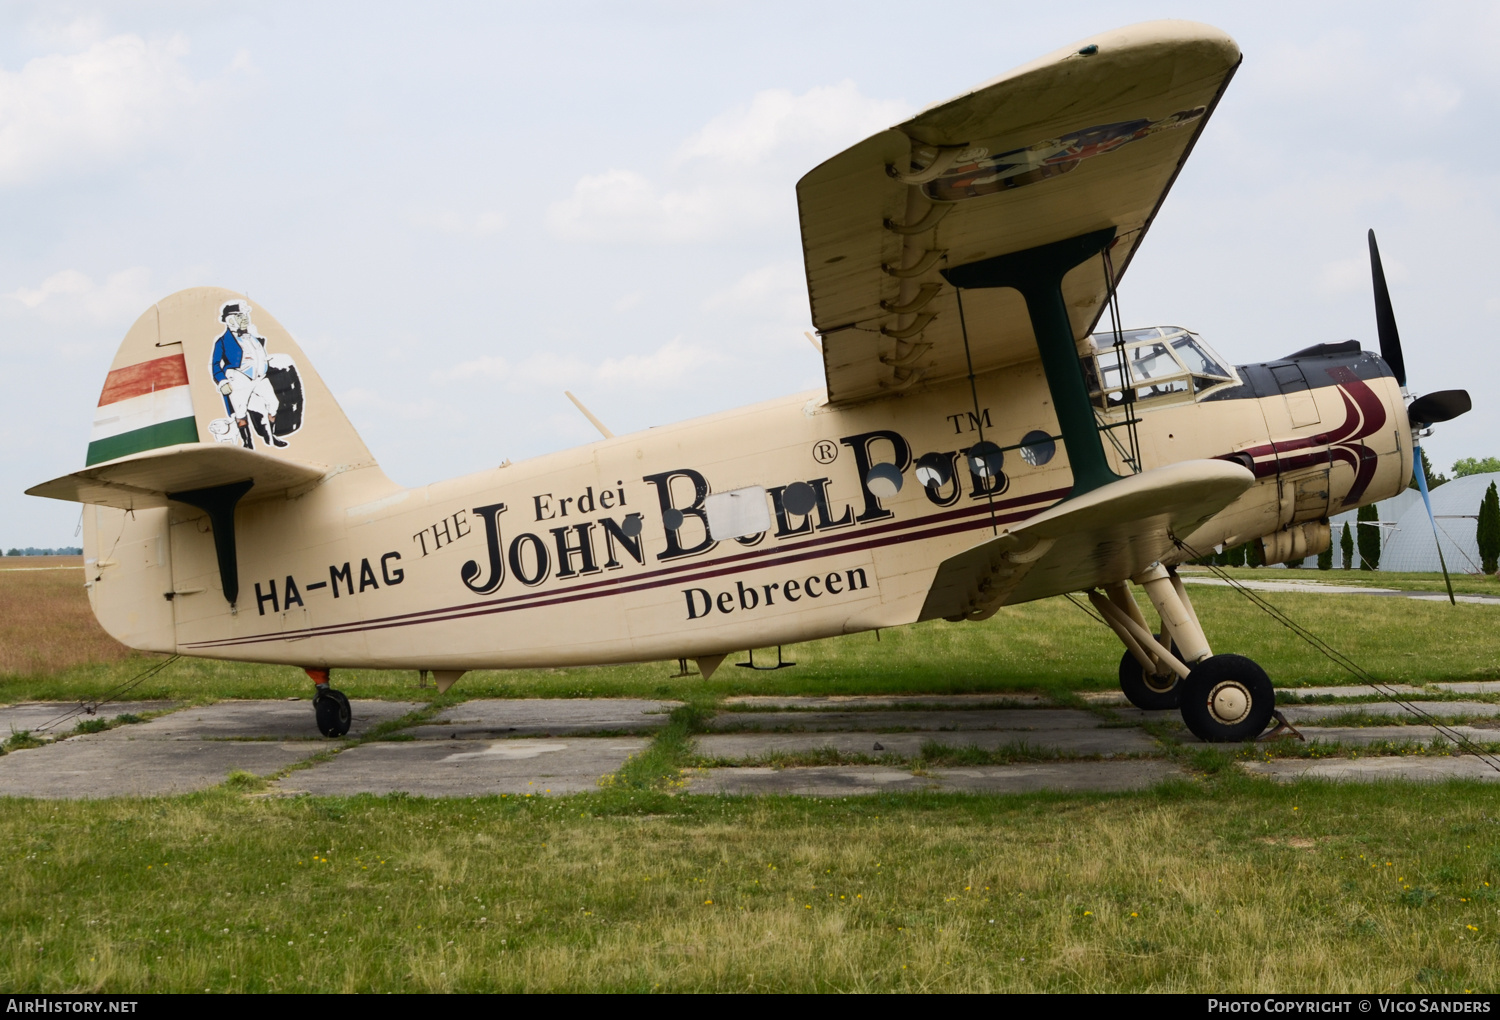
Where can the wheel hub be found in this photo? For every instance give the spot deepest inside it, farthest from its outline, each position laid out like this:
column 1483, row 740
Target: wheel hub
column 1229, row 702
column 1160, row 684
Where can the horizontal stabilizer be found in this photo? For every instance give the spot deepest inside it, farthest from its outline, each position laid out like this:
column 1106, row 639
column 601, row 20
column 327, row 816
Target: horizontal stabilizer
column 1109, row 534
column 143, row 480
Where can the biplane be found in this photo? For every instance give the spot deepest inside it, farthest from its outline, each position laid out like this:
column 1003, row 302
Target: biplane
column 982, row 440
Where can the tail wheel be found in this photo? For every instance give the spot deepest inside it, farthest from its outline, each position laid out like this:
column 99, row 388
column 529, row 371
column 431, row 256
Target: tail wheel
column 1146, row 691
column 332, row 711
column 1227, row 698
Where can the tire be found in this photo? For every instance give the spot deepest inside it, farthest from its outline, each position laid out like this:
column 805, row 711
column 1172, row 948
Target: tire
column 1226, row 699
column 1152, row 694
column 331, row 709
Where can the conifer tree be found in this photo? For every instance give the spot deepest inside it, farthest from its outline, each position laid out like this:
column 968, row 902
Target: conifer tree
column 1325, row 558
column 1488, row 532
column 1254, row 556
column 1369, row 538
column 1236, row 556
column 1346, row 546
column 1433, row 478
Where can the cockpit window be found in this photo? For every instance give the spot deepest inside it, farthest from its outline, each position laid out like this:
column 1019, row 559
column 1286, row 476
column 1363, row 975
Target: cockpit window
column 1196, row 359
column 1165, row 364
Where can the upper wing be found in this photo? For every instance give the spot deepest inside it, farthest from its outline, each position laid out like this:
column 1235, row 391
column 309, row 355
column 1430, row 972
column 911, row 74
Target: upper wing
column 1114, row 531
column 1081, row 140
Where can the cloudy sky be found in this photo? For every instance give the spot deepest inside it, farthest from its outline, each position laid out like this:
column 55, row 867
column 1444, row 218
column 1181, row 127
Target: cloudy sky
column 464, row 211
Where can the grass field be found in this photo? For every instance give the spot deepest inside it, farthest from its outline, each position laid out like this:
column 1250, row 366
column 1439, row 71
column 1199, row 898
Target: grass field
column 1217, row 882
column 1223, row 883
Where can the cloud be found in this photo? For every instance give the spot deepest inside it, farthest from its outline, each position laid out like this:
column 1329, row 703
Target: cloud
column 81, row 111
column 622, row 205
column 72, row 296
column 777, row 291
column 777, row 125
column 736, row 173
column 1429, row 97
column 671, row 364
column 483, row 224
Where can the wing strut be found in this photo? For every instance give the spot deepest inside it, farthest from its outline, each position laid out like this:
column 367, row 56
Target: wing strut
column 1038, row 274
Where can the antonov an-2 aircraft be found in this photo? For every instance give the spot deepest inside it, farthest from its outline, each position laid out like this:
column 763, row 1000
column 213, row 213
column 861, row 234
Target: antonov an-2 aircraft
column 978, row 444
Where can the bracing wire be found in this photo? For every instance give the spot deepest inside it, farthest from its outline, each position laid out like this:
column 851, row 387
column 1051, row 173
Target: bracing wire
column 963, row 327
column 1086, row 608
column 1127, row 384
column 119, row 690
column 1361, row 674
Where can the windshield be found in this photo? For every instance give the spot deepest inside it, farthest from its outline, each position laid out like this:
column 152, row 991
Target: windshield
column 1197, row 360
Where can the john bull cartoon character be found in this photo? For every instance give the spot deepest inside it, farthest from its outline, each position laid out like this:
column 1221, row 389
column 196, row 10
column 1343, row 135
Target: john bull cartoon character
column 262, row 391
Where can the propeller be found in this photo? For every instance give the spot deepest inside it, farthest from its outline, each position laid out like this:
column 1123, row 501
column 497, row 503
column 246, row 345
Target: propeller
column 1385, row 317
column 1443, row 405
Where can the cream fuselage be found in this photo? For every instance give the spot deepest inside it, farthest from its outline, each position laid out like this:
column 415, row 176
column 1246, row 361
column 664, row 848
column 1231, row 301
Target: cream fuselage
column 361, row 572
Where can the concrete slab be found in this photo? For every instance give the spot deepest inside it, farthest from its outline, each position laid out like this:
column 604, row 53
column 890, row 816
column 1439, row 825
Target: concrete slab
column 860, row 701
column 435, row 769
column 1097, row 740
column 1372, row 769
column 491, row 718
column 1136, row 716
column 32, row 715
column 853, row 780
column 1352, row 691
column 1359, row 736
column 973, row 719
column 818, row 781
column 106, row 765
column 1471, row 687
column 1080, row 775
column 1430, row 597
column 1442, row 709
column 261, row 720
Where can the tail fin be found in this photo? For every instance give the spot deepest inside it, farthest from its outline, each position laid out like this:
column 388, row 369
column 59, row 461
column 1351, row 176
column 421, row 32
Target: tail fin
column 207, row 366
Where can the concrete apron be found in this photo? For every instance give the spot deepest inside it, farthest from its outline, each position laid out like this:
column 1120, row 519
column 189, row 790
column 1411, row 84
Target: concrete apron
column 555, row 746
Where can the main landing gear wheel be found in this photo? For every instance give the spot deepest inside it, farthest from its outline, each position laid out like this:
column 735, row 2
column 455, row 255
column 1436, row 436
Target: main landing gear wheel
column 332, row 711
column 1226, row 699
column 1151, row 693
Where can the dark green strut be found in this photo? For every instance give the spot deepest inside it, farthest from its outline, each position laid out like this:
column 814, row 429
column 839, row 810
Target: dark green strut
column 1038, row 274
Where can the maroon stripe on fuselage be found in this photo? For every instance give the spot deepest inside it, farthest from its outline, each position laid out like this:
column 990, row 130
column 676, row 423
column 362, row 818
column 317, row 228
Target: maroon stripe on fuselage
column 952, row 522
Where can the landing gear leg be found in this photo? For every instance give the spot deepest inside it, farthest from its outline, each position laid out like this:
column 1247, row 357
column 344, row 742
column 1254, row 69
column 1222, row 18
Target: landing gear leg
column 1223, row 698
column 330, row 707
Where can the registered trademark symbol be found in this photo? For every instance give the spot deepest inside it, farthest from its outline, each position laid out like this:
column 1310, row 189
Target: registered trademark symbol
column 825, row 452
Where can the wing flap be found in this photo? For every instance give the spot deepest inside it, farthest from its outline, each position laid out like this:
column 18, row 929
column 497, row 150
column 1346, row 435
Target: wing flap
column 1112, row 532
column 143, row 480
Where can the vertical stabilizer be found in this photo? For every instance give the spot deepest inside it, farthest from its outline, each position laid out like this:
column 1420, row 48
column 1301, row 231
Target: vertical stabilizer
column 207, row 365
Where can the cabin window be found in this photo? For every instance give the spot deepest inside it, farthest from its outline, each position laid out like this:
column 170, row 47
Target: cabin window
column 1166, row 364
column 738, row 513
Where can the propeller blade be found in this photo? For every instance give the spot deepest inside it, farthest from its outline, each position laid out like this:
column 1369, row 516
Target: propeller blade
column 1385, row 317
column 1427, row 501
column 1444, row 405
